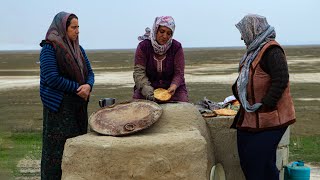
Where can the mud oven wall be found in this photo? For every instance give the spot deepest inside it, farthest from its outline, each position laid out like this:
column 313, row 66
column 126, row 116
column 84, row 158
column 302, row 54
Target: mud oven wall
column 177, row 146
column 224, row 142
column 180, row 145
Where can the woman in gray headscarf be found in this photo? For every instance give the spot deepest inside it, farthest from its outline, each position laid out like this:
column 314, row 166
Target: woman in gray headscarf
column 263, row 90
column 66, row 81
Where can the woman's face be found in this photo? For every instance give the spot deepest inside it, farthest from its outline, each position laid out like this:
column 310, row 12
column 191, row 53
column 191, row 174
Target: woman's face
column 163, row 35
column 73, row 29
column 244, row 41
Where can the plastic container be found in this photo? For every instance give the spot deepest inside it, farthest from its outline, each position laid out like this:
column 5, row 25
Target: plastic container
column 297, row 171
column 217, row 172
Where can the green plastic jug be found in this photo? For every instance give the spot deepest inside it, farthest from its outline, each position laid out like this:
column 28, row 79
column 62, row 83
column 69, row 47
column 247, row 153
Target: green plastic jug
column 297, row 171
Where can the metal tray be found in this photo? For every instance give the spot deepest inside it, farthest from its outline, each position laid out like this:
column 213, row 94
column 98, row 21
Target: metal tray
column 125, row 118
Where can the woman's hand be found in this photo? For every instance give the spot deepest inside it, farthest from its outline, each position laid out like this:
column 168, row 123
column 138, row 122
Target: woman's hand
column 84, row 91
column 147, row 91
column 172, row 89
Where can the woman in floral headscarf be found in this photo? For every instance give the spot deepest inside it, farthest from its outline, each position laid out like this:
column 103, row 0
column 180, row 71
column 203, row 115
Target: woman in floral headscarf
column 159, row 62
column 266, row 104
column 66, row 81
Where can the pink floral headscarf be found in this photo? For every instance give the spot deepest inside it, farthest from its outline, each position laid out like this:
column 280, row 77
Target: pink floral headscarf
column 166, row 21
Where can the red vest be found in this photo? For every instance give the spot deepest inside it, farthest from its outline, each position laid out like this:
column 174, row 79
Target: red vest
column 258, row 84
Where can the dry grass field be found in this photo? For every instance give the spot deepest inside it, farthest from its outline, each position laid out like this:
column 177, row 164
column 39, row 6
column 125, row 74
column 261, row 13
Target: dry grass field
column 209, row 73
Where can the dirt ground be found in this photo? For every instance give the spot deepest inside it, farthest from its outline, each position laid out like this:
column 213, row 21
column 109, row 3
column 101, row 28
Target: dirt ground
column 30, row 169
column 193, row 74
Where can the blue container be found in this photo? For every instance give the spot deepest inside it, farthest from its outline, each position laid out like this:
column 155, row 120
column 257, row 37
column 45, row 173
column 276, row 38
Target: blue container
column 296, row 171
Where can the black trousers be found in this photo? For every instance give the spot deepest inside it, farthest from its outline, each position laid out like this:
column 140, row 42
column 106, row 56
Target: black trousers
column 257, row 152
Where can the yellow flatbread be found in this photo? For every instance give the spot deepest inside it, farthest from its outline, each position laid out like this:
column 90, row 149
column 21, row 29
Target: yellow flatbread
column 236, row 103
column 162, row 94
column 213, row 114
column 225, row 112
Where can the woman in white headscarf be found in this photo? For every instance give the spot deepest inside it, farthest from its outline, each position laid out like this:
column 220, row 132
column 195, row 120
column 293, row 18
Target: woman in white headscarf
column 159, row 62
column 263, row 90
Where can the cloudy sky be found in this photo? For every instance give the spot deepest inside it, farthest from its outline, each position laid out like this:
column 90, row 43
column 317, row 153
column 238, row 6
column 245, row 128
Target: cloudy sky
column 115, row 24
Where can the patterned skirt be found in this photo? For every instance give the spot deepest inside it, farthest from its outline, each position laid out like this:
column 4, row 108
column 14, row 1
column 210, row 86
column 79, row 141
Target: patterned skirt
column 71, row 120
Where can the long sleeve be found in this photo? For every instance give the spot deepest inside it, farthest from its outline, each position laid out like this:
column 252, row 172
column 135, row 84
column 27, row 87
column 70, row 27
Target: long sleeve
column 50, row 73
column 140, row 77
column 90, row 77
column 274, row 63
column 179, row 65
column 139, row 71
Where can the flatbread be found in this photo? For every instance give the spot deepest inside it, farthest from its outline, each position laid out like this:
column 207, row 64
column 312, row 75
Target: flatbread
column 236, row 103
column 213, row 114
column 225, row 112
column 162, row 94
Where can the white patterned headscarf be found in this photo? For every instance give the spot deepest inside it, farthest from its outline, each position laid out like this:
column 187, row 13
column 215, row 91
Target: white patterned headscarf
column 166, row 21
column 256, row 32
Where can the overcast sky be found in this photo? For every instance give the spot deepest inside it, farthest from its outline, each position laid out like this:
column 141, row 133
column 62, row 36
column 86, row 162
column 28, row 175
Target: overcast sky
column 116, row 24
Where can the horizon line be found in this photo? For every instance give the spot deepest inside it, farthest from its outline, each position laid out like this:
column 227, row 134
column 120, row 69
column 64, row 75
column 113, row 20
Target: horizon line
column 204, row 47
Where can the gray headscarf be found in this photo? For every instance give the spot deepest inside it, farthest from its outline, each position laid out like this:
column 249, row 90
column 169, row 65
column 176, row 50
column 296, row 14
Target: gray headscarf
column 256, row 32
